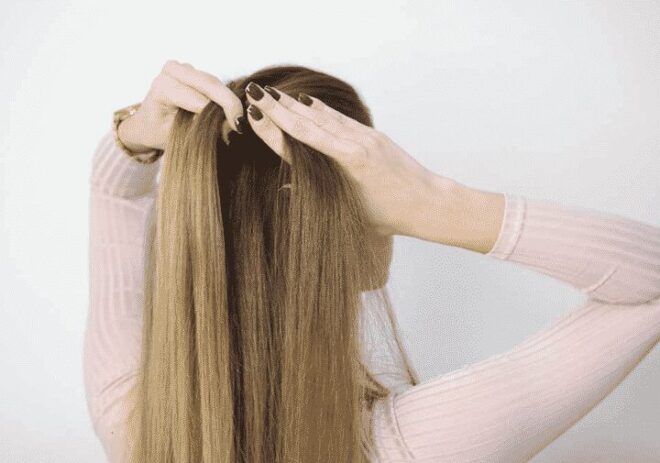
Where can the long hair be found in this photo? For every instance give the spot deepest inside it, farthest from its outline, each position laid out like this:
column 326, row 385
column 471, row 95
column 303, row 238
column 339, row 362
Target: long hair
column 251, row 344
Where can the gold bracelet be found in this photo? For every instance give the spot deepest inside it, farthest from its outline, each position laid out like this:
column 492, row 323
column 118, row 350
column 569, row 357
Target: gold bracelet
column 122, row 114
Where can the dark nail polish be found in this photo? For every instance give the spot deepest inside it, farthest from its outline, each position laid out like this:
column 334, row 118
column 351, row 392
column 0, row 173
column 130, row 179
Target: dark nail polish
column 272, row 92
column 254, row 112
column 305, row 99
column 254, row 91
column 240, row 124
column 231, row 137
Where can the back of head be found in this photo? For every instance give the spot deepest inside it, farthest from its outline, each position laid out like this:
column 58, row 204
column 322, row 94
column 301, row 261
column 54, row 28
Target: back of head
column 251, row 346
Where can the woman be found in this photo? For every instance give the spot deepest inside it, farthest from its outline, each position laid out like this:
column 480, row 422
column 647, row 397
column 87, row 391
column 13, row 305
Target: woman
column 232, row 362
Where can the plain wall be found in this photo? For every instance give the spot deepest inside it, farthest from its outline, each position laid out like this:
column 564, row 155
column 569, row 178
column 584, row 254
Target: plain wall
column 552, row 100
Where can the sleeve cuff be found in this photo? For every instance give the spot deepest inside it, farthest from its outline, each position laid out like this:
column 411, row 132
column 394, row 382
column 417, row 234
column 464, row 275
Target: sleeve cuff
column 515, row 207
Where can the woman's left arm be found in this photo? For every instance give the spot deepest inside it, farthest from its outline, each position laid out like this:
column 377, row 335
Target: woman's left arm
column 122, row 193
column 610, row 258
column 511, row 405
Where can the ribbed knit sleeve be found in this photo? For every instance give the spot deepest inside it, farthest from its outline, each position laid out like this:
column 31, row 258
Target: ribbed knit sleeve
column 122, row 194
column 503, row 409
column 609, row 257
column 510, row 406
column 116, row 174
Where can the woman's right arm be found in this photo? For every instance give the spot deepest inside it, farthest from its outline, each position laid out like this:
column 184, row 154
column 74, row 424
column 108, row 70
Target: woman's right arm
column 508, row 407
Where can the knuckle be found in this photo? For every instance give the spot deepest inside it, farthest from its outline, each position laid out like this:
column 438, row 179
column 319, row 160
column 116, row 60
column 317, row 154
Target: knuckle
column 169, row 64
column 380, row 136
column 156, row 82
column 355, row 154
column 209, row 79
column 325, row 121
column 233, row 110
column 268, row 104
column 298, row 127
column 199, row 107
column 342, row 118
column 157, row 86
column 371, row 142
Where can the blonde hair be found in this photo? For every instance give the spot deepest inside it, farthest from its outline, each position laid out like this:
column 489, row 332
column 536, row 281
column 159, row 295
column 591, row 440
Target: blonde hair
column 250, row 345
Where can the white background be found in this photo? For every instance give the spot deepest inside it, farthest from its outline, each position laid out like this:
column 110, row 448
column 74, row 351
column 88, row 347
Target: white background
column 554, row 100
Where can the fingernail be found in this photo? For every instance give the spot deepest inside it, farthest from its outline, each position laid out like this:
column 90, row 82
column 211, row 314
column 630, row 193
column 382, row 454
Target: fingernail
column 254, row 91
column 272, row 92
column 240, row 124
column 230, row 136
column 254, row 112
column 305, row 99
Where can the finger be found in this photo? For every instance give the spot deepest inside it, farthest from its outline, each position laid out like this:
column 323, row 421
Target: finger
column 270, row 133
column 323, row 119
column 320, row 106
column 305, row 130
column 177, row 94
column 224, row 131
column 209, row 85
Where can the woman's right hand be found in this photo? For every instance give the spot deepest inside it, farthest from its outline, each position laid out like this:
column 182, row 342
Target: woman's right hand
column 398, row 191
column 179, row 85
column 402, row 197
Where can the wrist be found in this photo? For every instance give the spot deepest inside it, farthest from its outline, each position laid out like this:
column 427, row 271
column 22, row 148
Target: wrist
column 476, row 219
column 127, row 131
column 461, row 216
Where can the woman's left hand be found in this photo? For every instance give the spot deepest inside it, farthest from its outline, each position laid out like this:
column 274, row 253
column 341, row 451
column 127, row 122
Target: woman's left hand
column 398, row 191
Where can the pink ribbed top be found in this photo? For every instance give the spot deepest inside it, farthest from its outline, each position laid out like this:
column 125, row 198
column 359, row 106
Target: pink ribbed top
column 503, row 409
